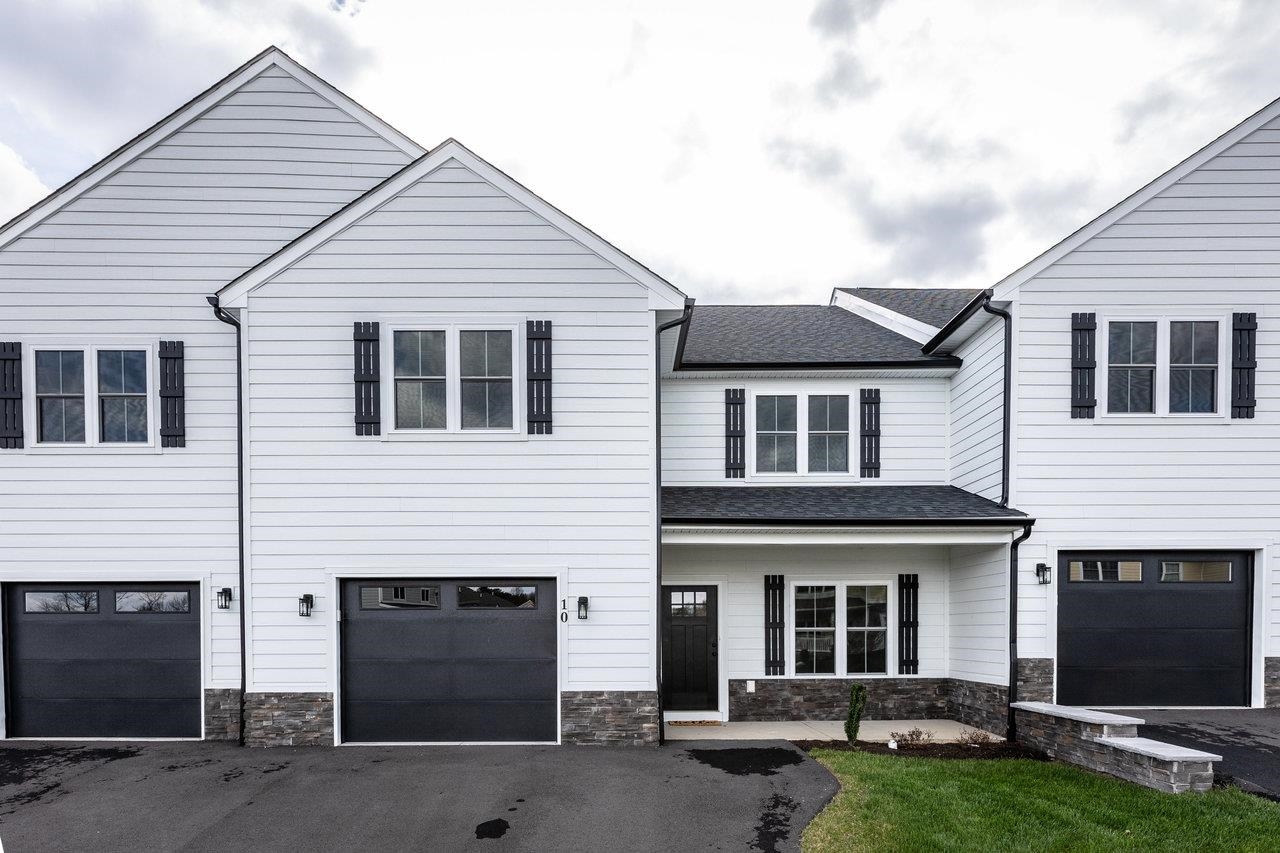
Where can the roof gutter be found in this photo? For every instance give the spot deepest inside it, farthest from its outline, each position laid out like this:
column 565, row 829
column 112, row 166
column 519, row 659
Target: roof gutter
column 995, row 521
column 937, row 361
column 682, row 321
column 974, row 306
column 224, row 317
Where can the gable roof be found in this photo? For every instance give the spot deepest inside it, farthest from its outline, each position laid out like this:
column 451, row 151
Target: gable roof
column 826, row 505
column 933, row 306
column 794, row 336
column 1109, row 217
column 183, row 116
column 663, row 294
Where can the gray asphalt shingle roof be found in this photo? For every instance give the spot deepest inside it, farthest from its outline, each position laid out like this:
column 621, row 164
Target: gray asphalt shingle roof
column 746, row 335
column 828, row 505
column 932, row 305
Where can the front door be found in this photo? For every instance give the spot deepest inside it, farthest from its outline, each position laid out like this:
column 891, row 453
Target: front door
column 690, row 671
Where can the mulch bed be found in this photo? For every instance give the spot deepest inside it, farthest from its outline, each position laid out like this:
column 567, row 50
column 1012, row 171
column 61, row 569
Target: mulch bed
column 998, row 749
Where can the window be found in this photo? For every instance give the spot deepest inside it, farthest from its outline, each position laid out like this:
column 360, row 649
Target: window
column 497, row 597
column 828, row 433
column 122, row 396
column 1131, row 367
column 153, row 601
column 815, row 630
column 1105, row 571
column 775, row 434
column 399, row 597
column 1193, row 366
column 67, row 601
column 60, row 414
column 867, row 629
column 688, row 603
column 420, row 380
column 486, row 379
column 1195, row 571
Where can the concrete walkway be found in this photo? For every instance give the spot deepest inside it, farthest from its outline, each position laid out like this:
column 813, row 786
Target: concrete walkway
column 872, row 731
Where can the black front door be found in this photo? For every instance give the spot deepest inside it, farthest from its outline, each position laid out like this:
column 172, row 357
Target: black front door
column 1154, row 628
column 690, row 674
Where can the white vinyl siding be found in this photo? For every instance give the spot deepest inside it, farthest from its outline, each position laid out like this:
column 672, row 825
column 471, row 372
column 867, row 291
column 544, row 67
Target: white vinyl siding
column 134, row 258
column 913, row 429
column 978, row 614
column 580, row 500
column 977, row 416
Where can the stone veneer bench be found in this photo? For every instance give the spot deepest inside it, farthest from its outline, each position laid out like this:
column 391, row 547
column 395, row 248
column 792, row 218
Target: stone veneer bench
column 1109, row 743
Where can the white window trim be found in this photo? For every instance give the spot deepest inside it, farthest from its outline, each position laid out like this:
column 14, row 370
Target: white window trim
column 92, row 426
column 1222, row 402
column 802, row 474
column 453, row 430
column 842, row 620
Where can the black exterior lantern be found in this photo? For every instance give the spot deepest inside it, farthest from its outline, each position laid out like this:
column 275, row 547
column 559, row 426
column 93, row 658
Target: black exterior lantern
column 305, row 604
column 582, row 607
column 1043, row 574
column 224, row 598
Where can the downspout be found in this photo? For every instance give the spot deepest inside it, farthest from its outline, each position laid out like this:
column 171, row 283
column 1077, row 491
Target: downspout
column 1007, row 411
column 657, row 409
column 224, row 317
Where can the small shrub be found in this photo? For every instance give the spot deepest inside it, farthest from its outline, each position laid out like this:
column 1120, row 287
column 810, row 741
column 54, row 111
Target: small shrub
column 857, row 701
column 912, row 737
column 975, row 737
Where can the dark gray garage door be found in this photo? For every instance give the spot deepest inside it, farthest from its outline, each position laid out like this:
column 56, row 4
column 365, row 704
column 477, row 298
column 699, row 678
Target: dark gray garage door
column 449, row 660
column 1154, row 628
column 102, row 660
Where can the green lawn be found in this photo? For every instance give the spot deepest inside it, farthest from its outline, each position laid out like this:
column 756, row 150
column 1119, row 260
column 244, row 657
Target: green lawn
column 895, row 803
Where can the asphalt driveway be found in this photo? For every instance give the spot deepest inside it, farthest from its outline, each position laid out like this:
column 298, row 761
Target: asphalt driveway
column 202, row 796
column 1248, row 741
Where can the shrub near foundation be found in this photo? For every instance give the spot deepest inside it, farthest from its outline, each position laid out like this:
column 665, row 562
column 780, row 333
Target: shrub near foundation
column 857, row 701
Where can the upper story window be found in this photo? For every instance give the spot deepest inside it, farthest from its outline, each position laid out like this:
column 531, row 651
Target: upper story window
column 450, row 379
column 802, row 434
column 92, row 395
column 1164, row 367
column 829, row 433
column 775, row 434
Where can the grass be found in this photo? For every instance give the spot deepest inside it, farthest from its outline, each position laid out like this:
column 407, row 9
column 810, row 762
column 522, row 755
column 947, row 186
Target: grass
column 896, row 803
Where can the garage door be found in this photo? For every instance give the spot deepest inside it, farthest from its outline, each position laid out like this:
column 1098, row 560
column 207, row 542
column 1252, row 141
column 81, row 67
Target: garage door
column 103, row 660
column 1154, row 628
column 449, row 660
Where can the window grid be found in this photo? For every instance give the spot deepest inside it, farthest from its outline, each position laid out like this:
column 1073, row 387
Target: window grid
column 776, row 434
column 122, row 396
column 1131, row 367
column 60, row 396
column 828, row 433
column 486, row 379
column 1193, row 366
column 420, row 364
column 866, row 630
column 815, row 630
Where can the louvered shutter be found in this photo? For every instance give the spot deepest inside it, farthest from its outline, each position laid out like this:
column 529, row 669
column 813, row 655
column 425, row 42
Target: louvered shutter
column 366, row 338
column 908, row 624
column 869, row 432
column 1244, row 362
column 538, row 375
column 173, row 394
column 735, row 433
column 1083, row 365
column 10, row 395
column 775, row 624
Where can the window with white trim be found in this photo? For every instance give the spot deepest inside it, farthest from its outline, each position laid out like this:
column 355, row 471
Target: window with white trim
column 840, row 629
column 420, row 379
column 776, row 434
column 454, row 378
column 802, row 434
column 1164, row 366
column 829, row 433
column 1193, row 366
column 60, row 409
column 93, row 395
column 1131, row 366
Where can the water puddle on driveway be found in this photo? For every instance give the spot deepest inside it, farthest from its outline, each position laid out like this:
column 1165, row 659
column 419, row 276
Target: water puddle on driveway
column 748, row 761
column 775, row 823
column 495, row 828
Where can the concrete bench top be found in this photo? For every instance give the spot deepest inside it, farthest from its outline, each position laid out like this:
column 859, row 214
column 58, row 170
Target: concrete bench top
column 1157, row 749
column 1083, row 715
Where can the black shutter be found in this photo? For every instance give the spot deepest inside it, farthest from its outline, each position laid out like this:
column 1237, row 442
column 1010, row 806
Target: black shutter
column 173, row 395
column 1244, row 361
column 10, row 395
column 735, row 432
column 1083, row 365
column 538, row 374
column 869, row 433
column 368, row 368
column 775, row 623
column 908, row 624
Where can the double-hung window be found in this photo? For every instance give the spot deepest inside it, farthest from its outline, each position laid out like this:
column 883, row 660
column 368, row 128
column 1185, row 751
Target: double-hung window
column 840, row 629
column 829, row 433
column 776, row 434
column 454, row 379
column 1164, row 366
column 94, row 395
column 802, row 434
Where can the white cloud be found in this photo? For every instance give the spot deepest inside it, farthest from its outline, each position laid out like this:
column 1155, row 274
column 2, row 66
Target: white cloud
column 19, row 186
column 749, row 150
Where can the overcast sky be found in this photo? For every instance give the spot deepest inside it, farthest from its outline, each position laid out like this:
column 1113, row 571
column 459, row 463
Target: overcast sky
column 748, row 151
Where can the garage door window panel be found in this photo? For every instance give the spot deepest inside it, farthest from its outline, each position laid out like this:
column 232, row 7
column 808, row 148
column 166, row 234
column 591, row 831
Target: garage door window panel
column 153, row 601
column 497, row 597
column 1105, row 571
column 399, row 598
column 1195, row 571
column 63, row 601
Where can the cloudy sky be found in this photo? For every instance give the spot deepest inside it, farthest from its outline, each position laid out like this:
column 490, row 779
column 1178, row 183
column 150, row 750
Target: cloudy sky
column 748, row 151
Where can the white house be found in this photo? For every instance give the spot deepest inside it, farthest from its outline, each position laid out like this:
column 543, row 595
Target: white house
column 312, row 435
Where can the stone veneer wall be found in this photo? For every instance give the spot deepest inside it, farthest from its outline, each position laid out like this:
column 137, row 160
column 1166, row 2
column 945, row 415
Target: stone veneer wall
column 1271, row 683
column 222, row 714
column 288, row 719
column 614, row 717
column 983, row 706
column 1035, row 679
column 1108, row 743
column 778, row 699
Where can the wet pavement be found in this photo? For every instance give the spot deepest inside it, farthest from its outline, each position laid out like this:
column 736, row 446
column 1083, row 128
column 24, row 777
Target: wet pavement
column 1247, row 739
column 204, row 796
